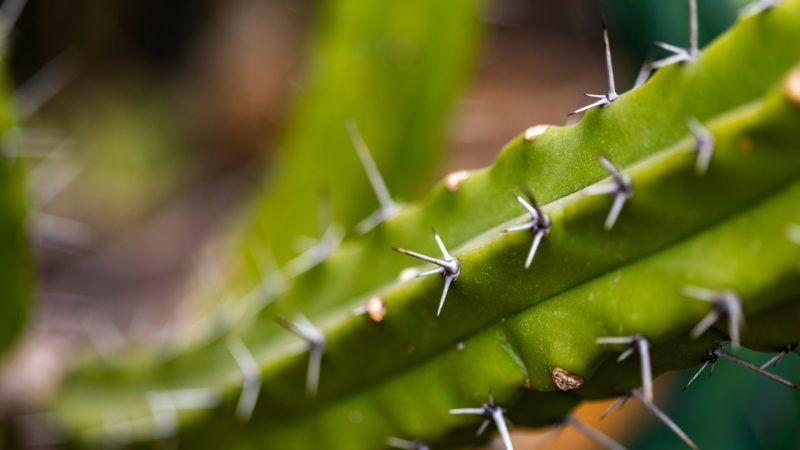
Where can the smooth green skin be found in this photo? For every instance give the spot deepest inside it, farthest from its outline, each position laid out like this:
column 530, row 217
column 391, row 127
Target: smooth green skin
column 395, row 68
column 672, row 205
column 588, row 296
column 15, row 260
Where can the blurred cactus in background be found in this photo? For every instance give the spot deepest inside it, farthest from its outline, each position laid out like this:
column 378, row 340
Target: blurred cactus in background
column 15, row 263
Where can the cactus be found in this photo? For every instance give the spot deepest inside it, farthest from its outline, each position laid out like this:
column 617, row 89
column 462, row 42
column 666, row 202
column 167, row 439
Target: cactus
column 15, row 265
column 15, row 261
column 520, row 313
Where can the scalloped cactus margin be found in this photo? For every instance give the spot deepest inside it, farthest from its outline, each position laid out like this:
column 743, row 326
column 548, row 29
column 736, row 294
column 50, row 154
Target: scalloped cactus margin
column 507, row 329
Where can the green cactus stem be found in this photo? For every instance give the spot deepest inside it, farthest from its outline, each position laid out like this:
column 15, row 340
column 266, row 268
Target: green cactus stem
column 517, row 334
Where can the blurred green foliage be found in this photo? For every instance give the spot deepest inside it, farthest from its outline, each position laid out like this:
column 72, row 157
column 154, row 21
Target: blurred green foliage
column 15, row 261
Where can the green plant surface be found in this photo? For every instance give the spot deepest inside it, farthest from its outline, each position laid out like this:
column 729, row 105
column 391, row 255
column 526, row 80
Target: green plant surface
column 15, row 264
column 722, row 230
column 555, row 164
column 672, row 206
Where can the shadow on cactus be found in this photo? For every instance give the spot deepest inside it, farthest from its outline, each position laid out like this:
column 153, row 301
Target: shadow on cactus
column 660, row 233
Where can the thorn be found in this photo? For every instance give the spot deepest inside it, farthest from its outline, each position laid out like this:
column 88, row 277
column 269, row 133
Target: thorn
column 449, row 267
column 758, row 7
column 45, row 84
column 9, row 14
column 644, row 73
column 165, row 405
column 612, row 89
column 388, row 207
column 375, row 309
column 621, row 189
column 704, row 145
column 316, row 347
column 710, row 358
column 725, row 304
column 781, row 354
column 251, row 374
column 104, row 335
column 52, row 178
column 596, row 436
column 618, row 404
column 721, row 353
column 316, row 254
column 405, row 444
column 682, row 55
column 663, row 417
column 490, row 412
column 447, row 282
column 641, row 345
column 611, row 95
column 270, row 285
column 551, row 434
column 539, row 225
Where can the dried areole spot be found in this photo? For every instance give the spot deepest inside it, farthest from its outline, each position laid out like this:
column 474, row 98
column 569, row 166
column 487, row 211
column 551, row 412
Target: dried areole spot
column 535, row 131
column 376, row 308
column 791, row 86
column 565, row 380
column 454, row 180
